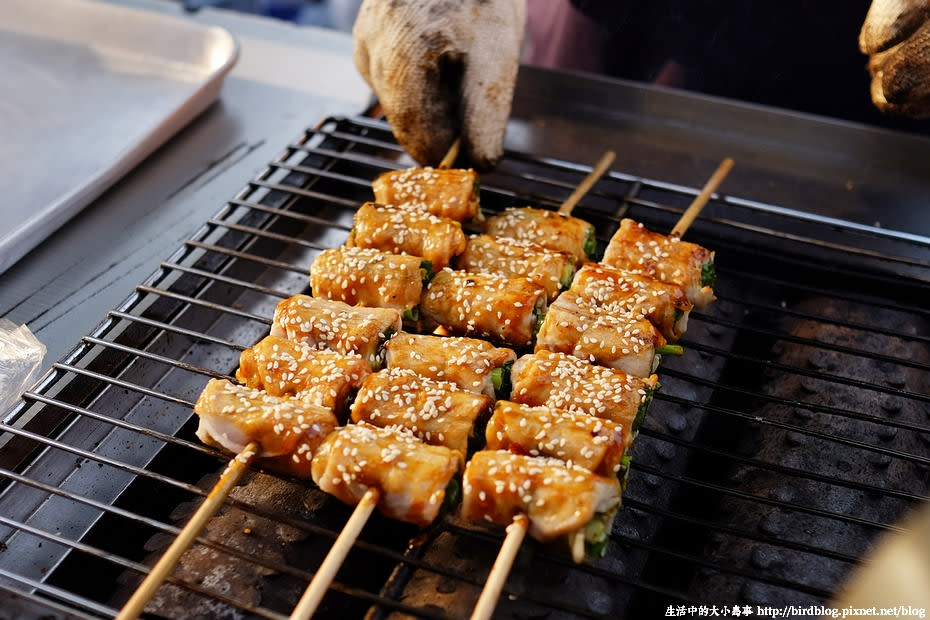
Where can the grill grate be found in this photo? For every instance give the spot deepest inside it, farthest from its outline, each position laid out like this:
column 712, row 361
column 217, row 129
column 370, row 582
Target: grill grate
column 791, row 433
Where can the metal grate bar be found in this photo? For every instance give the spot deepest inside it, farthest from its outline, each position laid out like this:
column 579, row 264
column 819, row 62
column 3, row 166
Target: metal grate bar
column 176, row 330
column 243, row 255
column 268, row 235
column 250, row 286
column 779, row 283
column 794, row 471
column 75, row 604
column 774, row 399
column 193, row 301
column 741, row 533
column 789, row 312
column 116, row 422
column 716, row 488
column 831, row 378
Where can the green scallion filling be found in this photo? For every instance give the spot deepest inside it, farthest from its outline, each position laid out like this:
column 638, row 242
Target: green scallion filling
column 412, row 315
column 540, row 315
column 568, row 274
column 597, row 534
column 708, row 273
column 452, row 498
column 590, row 243
column 624, row 473
column 670, row 349
column 644, row 407
column 500, row 379
column 378, row 358
column 426, row 271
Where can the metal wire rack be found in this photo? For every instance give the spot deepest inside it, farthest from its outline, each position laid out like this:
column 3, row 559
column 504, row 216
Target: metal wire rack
column 791, row 433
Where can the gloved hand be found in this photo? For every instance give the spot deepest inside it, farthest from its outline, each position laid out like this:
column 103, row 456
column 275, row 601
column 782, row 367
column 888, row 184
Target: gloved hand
column 896, row 37
column 443, row 69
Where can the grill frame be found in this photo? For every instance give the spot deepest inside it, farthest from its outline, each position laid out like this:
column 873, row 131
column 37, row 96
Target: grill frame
column 193, row 300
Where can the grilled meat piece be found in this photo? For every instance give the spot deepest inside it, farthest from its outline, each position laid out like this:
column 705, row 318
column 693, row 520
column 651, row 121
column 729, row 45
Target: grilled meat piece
column 593, row 443
column 288, row 430
column 446, row 192
column 372, row 278
column 559, row 500
column 472, row 364
column 336, row 325
column 437, row 412
column 565, row 382
column 562, row 233
column 411, row 476
column 667, row 258
column 665, row 304
column 511, row 257
column 505, row 310
column 406, row 230
column 609, row 335
column 283, row 367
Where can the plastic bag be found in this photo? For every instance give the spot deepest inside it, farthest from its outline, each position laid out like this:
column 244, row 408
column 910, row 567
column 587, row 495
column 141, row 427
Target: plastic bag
column 21, row 356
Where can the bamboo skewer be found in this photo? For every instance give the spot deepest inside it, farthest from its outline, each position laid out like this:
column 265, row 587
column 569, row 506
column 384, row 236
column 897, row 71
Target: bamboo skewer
column 585, row 186
column 516, row 531
column 451, row 154
column 694, row 209
column 218, row 494
column 324, row 576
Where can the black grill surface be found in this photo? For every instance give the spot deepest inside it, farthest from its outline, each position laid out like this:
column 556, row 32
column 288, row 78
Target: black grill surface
column 791, row 434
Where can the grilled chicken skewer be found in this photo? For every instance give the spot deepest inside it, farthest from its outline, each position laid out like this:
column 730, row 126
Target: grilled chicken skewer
column 537, row 495
column 444, row 192
column 674, row 327
column 606, row 334
column 595, row 444
column 638, row 250
column 283, row 367
column 664, row 304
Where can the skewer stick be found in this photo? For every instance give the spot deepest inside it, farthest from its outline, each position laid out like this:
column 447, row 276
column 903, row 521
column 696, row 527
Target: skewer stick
column 585, row 186
column 218, row 494
column 451, row 154
column 324, row 576
column 516, row 531
column 702, row 198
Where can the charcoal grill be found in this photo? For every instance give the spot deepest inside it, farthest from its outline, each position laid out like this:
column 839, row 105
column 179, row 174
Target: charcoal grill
column 791, row 434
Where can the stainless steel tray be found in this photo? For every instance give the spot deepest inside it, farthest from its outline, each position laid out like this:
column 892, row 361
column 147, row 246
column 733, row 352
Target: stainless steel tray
column 88, row 91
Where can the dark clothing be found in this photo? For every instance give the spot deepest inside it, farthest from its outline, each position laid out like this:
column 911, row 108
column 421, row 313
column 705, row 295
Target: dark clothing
column 796, row 54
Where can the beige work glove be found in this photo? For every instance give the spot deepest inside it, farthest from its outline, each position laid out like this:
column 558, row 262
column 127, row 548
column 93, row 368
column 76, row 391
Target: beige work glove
column 896, row 37
column 443, row 69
